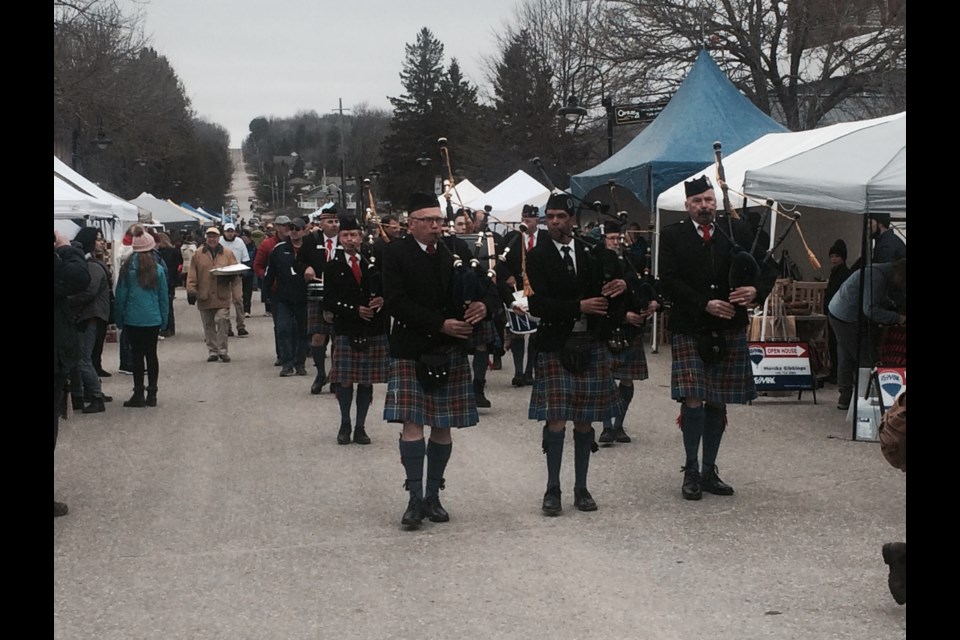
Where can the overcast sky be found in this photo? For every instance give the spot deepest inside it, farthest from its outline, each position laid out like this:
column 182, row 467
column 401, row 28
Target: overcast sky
column 239, row 59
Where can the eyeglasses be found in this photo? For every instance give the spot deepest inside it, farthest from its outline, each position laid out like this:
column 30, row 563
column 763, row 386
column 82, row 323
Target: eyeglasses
column 430, row 219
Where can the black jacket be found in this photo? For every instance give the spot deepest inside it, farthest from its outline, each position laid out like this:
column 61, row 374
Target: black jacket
column 421, row 291
column 556, row 297
column 284, row 270
column 693, row 273
column 343, row 297
column 70, row 276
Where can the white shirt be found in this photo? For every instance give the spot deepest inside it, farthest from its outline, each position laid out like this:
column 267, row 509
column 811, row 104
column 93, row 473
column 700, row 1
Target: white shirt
column 573, row 252
column 238, row 247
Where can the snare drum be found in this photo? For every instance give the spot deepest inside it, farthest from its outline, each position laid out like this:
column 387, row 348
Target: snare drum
column 315, row 291
column 521, row 324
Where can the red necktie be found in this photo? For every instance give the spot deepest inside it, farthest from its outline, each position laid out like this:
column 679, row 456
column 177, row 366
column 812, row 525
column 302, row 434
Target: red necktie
column 329, row 249
column 431, row 249
column 530, row 243
column 706, row 233
column 356, row 269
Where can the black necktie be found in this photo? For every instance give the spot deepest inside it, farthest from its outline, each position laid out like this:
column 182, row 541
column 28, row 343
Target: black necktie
column 568, row 260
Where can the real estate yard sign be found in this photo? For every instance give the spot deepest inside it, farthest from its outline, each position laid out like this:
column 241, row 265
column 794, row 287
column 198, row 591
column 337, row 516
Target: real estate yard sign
column 781, row 366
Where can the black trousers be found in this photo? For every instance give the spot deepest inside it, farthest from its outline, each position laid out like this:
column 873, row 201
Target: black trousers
column 143, row 344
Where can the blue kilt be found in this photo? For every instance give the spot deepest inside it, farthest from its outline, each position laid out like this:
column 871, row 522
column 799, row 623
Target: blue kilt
column 630, row 364
column 360, row 367
column 315, row 321
column 727, row 382
column 451, row 405
column 557, row 394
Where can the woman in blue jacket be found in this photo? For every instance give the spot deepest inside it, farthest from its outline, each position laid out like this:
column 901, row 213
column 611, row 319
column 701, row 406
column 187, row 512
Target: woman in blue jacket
column 143, row 307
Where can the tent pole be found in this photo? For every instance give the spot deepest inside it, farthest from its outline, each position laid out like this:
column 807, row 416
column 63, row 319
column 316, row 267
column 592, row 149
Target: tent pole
column 862, row 322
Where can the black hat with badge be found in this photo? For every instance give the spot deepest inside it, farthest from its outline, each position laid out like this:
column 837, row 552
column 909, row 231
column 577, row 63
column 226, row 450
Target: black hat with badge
column 697, row 186
column 611, row 226
column 561, row 201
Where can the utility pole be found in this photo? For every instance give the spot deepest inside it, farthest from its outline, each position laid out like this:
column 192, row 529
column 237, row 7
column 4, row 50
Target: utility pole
column 343, row 164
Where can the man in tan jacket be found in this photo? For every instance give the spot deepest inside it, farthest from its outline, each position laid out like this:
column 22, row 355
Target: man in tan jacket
column 214, row 294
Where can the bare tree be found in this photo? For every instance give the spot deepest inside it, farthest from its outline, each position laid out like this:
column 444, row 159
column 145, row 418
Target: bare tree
column 797, row 60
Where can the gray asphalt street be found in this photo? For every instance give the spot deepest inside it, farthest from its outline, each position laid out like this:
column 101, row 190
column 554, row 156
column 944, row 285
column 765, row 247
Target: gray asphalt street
column 230, row 512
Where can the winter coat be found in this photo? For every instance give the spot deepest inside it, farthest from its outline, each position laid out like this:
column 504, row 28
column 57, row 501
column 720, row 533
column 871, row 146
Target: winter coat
column 212, row 291
column 139, row 307
column 70, row 276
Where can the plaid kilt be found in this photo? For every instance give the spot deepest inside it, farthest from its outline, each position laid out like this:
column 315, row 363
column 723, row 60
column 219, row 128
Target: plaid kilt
column 558, row 394
column 484, row 333
column 361, row 367
column 630, row 364
column 452, row 405
column 315, row 321
column 729, row 382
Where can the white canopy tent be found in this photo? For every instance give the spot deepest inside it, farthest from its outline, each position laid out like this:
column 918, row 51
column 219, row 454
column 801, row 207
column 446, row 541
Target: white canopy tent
column 864, row 171
column 69, row 228
column 508, row 197
column 763, row 152
column 165, row 213
column 462, row 193
column 120, row 207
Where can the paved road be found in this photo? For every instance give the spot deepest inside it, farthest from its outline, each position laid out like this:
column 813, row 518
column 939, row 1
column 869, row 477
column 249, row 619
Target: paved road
column 230, row 512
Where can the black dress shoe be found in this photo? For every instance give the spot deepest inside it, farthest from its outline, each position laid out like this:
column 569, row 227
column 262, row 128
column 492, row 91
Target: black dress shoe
column 691, row 483
column 621, row 436
column 583, row 500
column 77, row 402
column 360, row 436
column 518, row 381
column 316, row 388
column 413, row 516
column 607, row 436
column 551, row 502
column 433, row 510
column 528, row 379
column 343, row 436
column 711, row 483
column 301, row 371
column 59, row 509
column 895, row 555
column 104, row 374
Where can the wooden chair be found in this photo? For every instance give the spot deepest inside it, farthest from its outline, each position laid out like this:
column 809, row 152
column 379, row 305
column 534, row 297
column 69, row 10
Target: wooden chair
column 811, row 292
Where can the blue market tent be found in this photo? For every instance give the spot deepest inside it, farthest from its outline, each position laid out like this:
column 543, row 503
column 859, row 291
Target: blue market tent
column 204, row 214
column 706, row 108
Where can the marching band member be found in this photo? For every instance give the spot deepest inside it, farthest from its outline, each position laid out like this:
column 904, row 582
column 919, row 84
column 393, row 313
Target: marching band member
column 318, row 249
column 429, row 377
column 360, row 353
column 573, row 289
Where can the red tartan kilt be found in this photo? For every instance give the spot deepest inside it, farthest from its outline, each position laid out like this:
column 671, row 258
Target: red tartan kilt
column 558, row 394
column 484, row 334
column 728, row 382
column 893, row 346
column 315, row 321
column 360, row 367
column 452, row 405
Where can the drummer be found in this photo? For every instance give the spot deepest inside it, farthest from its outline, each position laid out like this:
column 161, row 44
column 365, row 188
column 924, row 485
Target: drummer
column 511, row 281
column 319, row 248
column 289, row 300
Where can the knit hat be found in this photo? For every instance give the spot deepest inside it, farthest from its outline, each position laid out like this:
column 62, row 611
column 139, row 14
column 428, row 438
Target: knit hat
column 87, row 237
column 839, row 248
column 143, row 243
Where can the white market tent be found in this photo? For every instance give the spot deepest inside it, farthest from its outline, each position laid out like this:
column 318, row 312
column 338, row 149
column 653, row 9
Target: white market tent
column 864, row 171
column 508, row 197
column 121, row 208
column 763, row 152
column 461, row 193
column 69, row 202
column 69, row 228
column 163, row 212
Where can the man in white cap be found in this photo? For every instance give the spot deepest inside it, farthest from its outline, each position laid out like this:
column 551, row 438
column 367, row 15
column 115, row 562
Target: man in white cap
column 230, row 240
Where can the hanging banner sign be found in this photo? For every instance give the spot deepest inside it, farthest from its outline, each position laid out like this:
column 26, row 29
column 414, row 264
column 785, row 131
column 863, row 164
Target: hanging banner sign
column 781, row 366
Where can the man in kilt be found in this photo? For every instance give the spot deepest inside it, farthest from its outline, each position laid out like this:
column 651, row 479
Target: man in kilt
column 352, row 293
column 708, row 320
column 510, row 280
column 572, row 292
column 434, row 314
column 630, row 362
column 318, row 249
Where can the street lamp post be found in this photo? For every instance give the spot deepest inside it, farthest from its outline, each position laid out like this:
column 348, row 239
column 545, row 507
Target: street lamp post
column 575, row 113
column 424, row 161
